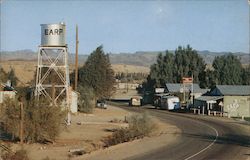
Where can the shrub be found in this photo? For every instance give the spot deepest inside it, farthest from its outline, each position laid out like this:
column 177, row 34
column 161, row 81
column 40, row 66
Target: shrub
column 140, row 125
column 86, row 100
column 41, row 120
column 18, row 155
column 11, row 116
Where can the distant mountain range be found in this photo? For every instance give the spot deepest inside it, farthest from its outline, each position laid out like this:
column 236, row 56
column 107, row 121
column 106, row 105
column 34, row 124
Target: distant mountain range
column 140, row 58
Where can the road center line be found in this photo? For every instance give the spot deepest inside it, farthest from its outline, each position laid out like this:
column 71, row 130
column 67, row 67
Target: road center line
column 217, row 134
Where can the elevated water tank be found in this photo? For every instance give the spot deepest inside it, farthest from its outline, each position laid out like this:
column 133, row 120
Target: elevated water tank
column 53, row 34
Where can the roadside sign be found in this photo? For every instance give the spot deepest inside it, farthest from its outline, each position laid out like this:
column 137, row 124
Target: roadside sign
column 159, row 90
column 187, row 80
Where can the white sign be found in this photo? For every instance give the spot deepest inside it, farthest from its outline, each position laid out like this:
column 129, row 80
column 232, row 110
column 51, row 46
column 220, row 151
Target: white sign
column 159, row 90
column 233, row 107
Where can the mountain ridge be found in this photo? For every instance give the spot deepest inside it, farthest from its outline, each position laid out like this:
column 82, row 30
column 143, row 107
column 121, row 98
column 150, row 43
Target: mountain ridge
column 139, row 58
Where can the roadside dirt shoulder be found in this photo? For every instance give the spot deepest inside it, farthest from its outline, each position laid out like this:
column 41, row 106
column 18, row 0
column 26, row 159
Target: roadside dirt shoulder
column 87, row 132
column 166, row 134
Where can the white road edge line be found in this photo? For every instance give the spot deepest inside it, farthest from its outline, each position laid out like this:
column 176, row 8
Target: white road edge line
column 217, row 134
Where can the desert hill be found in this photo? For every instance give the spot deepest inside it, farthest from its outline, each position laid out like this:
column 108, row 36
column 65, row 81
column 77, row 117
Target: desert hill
column 140, row 58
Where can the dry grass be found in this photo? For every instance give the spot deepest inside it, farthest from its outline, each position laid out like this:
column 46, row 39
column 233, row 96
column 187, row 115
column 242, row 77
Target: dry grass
column 140, row 125
column 25, row 70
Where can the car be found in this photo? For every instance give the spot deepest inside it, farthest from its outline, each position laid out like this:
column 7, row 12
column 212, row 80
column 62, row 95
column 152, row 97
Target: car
column 101, row 104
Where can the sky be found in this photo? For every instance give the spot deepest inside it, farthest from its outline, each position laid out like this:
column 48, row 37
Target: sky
column 128, row 26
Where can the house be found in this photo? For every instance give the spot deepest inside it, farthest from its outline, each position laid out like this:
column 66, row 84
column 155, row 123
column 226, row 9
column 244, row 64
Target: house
column 6, row 91
column 231, row 99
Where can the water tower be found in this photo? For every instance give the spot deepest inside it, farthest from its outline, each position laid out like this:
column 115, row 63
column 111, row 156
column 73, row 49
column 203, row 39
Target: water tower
column 52, row 78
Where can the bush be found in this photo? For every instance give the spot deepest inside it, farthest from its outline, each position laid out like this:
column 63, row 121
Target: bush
column 18, row 155
column 86, row 100
column 11, row 116
column 41, row 120
column 140, row 125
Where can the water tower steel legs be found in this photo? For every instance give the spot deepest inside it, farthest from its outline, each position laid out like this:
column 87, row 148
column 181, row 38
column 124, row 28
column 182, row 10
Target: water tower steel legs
column 53, row 63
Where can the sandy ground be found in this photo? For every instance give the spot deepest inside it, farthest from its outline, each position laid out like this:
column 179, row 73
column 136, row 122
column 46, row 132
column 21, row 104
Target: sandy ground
column 124, row 94
column 165, row 135
column 87, row 131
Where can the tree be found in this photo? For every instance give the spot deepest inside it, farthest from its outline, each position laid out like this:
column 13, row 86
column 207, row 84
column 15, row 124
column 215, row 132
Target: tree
column 246, row 75
column 170, row 68
column 207, row 79
column 3, row 75
column 227, row 70
column 98, row 74
column 162, row 71
column 12, row 77
column 188, row 62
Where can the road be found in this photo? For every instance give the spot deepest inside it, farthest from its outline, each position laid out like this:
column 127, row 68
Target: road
column 202, row 138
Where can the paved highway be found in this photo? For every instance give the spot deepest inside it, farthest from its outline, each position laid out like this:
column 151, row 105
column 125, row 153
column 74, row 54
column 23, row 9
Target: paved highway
column 202, row 138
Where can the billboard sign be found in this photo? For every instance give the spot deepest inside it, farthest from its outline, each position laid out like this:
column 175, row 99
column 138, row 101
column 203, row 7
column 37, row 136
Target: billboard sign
column 187, row 80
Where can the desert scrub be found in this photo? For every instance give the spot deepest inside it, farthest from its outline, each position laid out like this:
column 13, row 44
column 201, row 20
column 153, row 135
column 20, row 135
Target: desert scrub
column 140, row 125
column 18, row 155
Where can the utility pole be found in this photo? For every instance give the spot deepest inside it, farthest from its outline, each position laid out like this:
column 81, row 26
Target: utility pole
column 192, row 92
column 21, row 122
column 76, row 59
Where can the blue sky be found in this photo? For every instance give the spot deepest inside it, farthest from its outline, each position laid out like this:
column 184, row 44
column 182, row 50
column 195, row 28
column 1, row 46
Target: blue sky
column 130, row 26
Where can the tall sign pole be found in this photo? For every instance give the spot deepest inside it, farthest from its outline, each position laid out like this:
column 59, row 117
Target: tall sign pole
column 76, row 59
column 192, row 92
column 21, row 122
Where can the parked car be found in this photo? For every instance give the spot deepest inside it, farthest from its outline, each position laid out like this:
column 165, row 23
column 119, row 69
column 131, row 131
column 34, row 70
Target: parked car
column 101, row 104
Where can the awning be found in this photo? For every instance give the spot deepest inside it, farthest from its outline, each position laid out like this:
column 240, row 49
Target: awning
column 209, row 99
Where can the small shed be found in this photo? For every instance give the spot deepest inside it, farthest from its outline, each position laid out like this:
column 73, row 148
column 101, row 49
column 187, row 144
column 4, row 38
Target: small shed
column 6, row 91
column 74, row 102
column 5, row 94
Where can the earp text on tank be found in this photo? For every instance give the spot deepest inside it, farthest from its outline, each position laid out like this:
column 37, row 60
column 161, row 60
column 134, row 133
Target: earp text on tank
column 53, row 31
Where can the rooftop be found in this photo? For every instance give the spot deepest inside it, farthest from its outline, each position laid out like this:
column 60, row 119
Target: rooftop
column 235, row 90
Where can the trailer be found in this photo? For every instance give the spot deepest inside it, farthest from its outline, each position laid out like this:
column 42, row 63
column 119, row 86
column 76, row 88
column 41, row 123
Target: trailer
column 135, row 101
column 170, row 103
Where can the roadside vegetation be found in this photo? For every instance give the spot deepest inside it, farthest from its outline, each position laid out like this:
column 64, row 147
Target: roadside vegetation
column 41, row 122
column 96, row 78
column 86, row 99
column 8, row 76
column 186, row 62
column 140, row 125
column 18, row 155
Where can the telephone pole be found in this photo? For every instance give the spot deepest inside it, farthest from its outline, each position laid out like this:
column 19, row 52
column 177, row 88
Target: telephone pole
column 21, row 122
column 76, row 59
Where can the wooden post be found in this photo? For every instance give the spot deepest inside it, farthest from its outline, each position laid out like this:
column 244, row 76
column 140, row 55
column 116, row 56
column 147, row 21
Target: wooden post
column 203, row 110
column 76, row 59
column 53, row 92
column 21, row 122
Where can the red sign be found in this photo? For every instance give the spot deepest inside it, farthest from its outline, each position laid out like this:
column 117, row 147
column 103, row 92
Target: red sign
column 187, row 80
